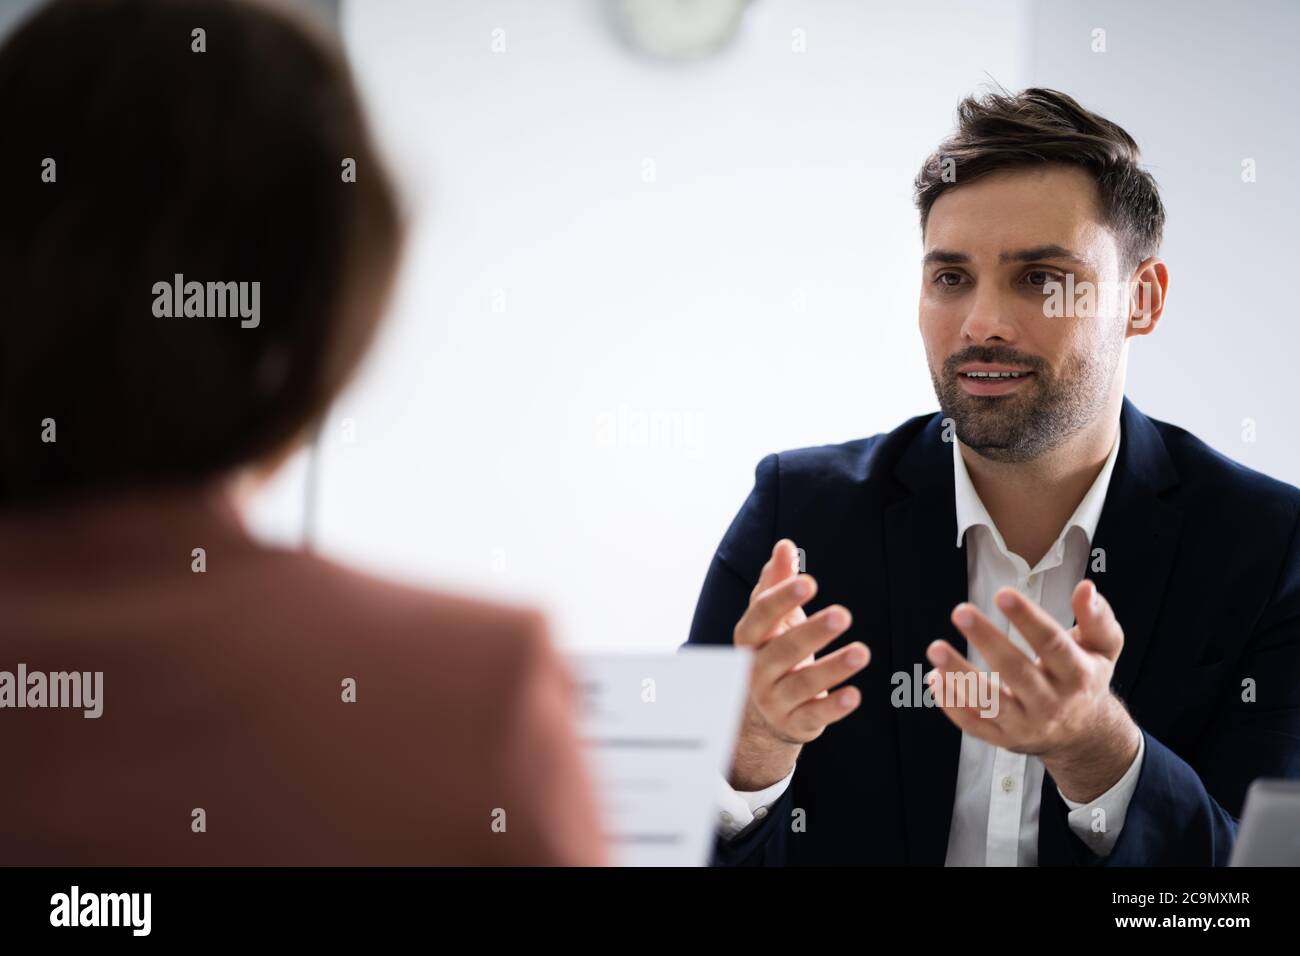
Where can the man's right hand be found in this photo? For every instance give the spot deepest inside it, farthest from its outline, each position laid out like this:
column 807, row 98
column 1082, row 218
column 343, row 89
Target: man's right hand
column 789, row 691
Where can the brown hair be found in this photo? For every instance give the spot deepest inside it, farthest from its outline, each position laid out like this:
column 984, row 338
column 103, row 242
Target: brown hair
column 1002, row 130
column 222, row 166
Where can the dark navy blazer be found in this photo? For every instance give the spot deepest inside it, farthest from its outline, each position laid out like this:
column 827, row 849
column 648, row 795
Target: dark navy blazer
column 1202, row 568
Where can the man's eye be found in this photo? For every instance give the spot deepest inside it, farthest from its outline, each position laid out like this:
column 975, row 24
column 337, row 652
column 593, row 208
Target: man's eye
column 943, row 277
column 1041, row 277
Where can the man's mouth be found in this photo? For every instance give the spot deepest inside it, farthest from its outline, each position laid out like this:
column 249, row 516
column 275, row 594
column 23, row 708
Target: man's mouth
column 991, row 379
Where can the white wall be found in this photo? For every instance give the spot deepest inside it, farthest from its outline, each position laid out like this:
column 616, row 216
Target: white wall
column 782, row 182
column 780, row 177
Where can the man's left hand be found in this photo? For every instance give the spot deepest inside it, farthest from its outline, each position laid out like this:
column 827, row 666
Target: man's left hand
column 1058, row 706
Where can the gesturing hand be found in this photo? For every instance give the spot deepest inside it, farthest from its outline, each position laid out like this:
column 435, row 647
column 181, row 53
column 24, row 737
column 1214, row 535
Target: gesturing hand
column 1059, row 705
column 789, row 699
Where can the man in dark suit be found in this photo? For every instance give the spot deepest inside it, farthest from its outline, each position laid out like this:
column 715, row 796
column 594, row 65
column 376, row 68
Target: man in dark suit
column 1109, row 655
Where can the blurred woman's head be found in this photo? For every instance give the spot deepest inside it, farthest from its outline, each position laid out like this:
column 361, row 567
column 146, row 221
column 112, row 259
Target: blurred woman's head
column 197, row 237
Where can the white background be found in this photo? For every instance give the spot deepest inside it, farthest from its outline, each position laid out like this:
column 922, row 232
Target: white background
column 760, row 292
column 509, row 440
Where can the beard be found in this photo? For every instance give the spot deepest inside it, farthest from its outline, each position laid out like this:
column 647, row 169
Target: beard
column 1048, row 408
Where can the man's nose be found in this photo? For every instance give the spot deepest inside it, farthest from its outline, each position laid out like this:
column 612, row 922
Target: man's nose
column 987, row 320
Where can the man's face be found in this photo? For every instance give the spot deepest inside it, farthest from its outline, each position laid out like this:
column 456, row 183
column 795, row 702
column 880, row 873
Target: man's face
column 994, row 250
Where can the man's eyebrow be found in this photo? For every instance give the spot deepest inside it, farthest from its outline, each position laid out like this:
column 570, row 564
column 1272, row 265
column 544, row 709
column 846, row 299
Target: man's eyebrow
column 1048, row 251
column 945, row 256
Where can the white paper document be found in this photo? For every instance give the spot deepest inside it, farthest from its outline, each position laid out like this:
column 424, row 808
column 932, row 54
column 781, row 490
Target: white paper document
column 658, row 729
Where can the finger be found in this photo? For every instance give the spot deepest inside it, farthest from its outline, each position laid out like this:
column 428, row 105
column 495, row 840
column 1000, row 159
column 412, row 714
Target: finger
column 969, row 721
column 824, row 709
column 785, row 560
column 1099, row 631
column 971, row 688
column 780, row 565
column 1015, row 668
column 1060, row 655
column 787, row 652
column 799, row 687
column 770, row 607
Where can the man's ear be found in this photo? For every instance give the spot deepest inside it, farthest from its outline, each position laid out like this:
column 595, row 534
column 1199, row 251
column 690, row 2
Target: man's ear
column 1147, row 289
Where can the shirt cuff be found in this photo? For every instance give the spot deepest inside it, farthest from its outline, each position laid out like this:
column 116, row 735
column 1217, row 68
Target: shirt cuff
column 1098, row 823
column 739, row 808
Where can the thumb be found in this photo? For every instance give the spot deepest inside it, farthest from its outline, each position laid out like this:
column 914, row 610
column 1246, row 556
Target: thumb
column 1098, row 631
column 780, row 566
column 785, row 558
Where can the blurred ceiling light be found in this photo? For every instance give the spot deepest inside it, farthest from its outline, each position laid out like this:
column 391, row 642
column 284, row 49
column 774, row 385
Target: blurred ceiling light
column 678, row 29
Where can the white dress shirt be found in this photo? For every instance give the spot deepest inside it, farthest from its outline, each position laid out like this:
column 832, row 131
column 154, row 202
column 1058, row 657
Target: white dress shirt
column 996, row 804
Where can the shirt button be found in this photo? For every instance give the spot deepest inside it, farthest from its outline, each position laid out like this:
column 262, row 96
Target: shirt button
column 1008, row 784
column 760, row 813
column 726, row 817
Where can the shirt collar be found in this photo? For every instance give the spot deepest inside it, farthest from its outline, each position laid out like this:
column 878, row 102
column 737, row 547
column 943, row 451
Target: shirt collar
column 971, row 511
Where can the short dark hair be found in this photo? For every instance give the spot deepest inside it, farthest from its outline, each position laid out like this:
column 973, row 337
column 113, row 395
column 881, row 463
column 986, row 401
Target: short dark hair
column 1036, row 126
column 222, row 166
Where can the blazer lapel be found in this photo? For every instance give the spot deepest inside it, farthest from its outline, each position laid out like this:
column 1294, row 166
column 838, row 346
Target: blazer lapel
column 1138, row 538
column 927, row 578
